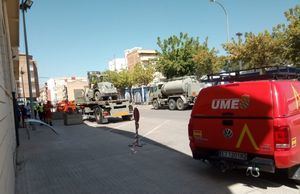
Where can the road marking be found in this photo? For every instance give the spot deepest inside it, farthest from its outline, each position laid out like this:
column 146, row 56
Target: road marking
column 119, row 126
column 155, row 128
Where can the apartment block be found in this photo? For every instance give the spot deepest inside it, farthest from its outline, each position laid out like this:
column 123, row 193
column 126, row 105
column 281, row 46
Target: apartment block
column 117, row 64
column 138, row 55
column 22, row 82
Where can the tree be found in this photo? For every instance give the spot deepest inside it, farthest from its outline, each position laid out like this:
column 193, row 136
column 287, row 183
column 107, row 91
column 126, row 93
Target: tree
column 177, row 55
column 207, row 61
column 121, row 80
column 280, row 47
column 292, row 41
column 257, row 51
column 142, row 75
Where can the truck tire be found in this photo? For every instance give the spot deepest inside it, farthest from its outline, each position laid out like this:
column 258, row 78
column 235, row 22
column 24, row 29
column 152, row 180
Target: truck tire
column 98, row 115
column 97, row 96
column 180, row 104
column 155, row 104
column 172, row 104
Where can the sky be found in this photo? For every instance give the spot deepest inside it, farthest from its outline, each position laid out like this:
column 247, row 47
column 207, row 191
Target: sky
column 71, row 37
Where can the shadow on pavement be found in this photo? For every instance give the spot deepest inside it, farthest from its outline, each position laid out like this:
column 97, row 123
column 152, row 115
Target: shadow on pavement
column 264, row 181
column 84, row 159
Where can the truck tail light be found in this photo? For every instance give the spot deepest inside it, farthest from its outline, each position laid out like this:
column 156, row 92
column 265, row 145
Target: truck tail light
column 105, row 113
column 282, row 138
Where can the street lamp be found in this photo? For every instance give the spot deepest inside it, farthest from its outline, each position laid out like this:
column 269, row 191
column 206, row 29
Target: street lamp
column 225, row 11
column 239, row 34
column 24, row 6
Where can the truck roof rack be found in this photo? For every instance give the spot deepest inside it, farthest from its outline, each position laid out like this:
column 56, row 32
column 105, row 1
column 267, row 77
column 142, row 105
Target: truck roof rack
column 262, row 73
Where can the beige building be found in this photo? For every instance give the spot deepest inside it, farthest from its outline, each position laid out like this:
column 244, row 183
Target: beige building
column 9, row 43
column 76, row 84
column 22, row 82
column 139, row 55
column 44, row 94
column 63, row 88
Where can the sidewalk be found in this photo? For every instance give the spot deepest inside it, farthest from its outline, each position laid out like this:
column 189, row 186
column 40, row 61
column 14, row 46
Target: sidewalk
column 84, row 160
column 88, row 160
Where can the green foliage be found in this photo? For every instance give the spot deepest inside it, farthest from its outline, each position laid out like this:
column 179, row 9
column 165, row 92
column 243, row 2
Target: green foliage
column 176, row 56
column 139, row 75
column 256, row 51
column 280, row 47
column 142, row 75
column 207, row 62
column 292, row 41
column 184, row 55
column 121, row 79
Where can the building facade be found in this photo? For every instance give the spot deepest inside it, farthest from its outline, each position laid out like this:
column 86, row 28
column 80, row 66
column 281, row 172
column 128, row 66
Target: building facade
column 117, row 64
column 132, row 57
column 22, row 82
column 9, row 43
column 45, row 94
column 139, row 55
column 59, row 89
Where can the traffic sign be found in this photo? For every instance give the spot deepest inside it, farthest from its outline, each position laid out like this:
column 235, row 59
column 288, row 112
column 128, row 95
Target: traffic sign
column 136, row 114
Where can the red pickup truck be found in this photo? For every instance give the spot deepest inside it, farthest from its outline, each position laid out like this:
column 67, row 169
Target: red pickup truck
column 253, row 125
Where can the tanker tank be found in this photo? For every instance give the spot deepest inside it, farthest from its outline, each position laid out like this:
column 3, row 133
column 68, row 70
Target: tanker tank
column 179, row 86
column 178, row 93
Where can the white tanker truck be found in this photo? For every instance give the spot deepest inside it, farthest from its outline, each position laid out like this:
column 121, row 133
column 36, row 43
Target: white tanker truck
column 178, row 93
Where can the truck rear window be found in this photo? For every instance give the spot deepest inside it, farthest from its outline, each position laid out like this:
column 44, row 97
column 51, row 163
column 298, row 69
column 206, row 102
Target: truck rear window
column 243, row 99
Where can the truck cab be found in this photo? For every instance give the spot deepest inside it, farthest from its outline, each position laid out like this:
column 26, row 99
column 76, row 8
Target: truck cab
column 252, row 123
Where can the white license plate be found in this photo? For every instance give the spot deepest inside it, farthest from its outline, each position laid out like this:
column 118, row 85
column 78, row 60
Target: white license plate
column 233, row 155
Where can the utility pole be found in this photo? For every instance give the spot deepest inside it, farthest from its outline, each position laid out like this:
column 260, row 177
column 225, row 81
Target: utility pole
column 239, row 34
column 24, row 6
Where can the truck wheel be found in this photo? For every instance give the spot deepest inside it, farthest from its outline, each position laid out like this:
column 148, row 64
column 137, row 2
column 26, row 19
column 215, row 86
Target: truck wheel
column 180, row 104
column 97, row 96
column 98, row 115
column 155, row 104
column 172, row 104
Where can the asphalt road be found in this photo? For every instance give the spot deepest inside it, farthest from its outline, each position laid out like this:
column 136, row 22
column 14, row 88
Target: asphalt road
column 169, row 129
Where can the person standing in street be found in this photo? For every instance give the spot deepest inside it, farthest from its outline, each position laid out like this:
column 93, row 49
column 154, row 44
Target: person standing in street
column 48, row 113
column 35, row 110
column 23, row 115
column 28, row 110
column 40, row 109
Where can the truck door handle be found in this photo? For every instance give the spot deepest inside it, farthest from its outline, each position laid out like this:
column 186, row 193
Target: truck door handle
column 227, row 122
